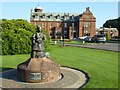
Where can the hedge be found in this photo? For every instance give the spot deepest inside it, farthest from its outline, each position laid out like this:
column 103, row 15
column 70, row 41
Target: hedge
column 16, row 37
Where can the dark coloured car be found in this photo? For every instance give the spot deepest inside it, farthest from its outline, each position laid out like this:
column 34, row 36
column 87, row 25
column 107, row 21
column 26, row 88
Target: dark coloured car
column 99, row 38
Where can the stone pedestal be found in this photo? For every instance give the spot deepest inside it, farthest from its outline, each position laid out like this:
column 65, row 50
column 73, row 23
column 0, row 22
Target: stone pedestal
column 39, row 70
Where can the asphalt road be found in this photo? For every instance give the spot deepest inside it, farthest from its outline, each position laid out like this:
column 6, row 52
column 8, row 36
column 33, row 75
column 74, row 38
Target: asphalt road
column 102, row 46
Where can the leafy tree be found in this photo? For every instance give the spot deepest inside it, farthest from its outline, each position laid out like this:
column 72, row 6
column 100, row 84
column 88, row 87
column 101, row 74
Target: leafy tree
column 113, row 23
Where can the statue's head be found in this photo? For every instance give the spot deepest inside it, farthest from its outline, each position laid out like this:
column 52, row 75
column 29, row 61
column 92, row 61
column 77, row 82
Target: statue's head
column 38, row 29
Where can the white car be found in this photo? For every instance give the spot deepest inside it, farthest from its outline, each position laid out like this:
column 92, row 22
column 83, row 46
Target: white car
column 99, row 38
column 83, row 37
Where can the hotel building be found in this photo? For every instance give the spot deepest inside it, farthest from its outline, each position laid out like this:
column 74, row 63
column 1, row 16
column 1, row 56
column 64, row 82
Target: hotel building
column 74, row 25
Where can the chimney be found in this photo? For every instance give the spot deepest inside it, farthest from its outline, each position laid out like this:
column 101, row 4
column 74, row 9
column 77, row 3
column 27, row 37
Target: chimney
column 87, row 8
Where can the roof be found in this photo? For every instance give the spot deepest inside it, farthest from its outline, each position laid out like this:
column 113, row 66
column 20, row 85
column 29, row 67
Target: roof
column 107, row 29
column 38, row 7
column 55, row 16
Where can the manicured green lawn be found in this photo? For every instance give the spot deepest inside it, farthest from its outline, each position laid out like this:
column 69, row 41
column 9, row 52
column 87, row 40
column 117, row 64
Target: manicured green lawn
column 101, row 66
column 77, row 42
column 69, row 42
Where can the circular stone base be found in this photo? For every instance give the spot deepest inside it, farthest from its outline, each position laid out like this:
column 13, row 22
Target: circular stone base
column 71, row 79
column 39, row 70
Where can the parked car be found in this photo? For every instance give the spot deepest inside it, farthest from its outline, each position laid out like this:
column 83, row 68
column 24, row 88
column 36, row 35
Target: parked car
column 98, row 38
column 87, row 39
column 82, row 38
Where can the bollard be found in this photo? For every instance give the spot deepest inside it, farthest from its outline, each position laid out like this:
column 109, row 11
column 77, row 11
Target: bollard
column 83, row 41
column 55, row 42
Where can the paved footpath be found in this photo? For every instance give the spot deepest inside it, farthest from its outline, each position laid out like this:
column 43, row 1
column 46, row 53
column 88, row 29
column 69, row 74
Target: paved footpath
column 101, row 46
column 72, row 78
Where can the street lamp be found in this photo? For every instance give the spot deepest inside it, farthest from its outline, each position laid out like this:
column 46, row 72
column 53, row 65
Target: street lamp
column 63, row 30
column 103, row 30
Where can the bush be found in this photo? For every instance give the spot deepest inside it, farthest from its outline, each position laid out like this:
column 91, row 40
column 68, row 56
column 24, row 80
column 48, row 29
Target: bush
column 16, row 37
column 108, row 37
column 47, row 40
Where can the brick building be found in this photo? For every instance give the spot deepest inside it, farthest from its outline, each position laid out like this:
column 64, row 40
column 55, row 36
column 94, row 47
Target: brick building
column 74, row 25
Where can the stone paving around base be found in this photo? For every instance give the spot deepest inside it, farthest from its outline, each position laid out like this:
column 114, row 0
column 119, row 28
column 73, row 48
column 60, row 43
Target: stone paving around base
column 71, row 79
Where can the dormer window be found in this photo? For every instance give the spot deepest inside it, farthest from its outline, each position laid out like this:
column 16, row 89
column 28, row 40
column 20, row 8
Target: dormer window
column 36, row 17
column 51, row 16
column 43, row 17
column 65, row 17
column 72, row 17
column 58, row 17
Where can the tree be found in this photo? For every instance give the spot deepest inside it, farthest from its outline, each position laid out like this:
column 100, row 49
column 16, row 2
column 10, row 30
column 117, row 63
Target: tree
column 113, row 23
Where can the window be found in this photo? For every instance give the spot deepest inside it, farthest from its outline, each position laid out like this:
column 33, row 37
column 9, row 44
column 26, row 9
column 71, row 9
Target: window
column 87, row 33
column 51, row 16
column 65, row 24
column 72, row 17
column 65, row 33
column 36, row 17
column 62, row 17
column 87, row 24
column 43, row 17
column 58, row 24
column 72, row 24
column 58, row 17
column 50, row 24
column 65, row 17
column 87, row 16
column 59, row 33
column 43, row 24
column 68, row 17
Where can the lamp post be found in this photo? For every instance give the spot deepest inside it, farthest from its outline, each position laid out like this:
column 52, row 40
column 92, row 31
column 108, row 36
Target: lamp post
column 63, row 30
column 103, row 30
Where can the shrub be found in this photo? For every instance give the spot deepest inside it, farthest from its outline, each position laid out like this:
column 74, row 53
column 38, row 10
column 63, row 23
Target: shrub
column 47, row 40
column 108, row 37
column 16, row 37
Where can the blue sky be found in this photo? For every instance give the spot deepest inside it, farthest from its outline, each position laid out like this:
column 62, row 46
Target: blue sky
column 101, row 10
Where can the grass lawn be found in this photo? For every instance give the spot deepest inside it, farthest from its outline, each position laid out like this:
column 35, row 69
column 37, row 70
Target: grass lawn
column 101, row 66
column 78, row 42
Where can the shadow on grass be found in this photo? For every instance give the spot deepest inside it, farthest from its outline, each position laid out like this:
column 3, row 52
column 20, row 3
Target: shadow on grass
column 5, row 68
column 9, row 73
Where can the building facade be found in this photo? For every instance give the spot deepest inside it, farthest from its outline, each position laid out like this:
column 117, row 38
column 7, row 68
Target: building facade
column 65, row 25
column 107, row 31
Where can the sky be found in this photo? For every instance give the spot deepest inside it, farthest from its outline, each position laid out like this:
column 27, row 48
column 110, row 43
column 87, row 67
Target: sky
column 101, row 10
